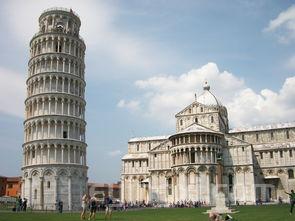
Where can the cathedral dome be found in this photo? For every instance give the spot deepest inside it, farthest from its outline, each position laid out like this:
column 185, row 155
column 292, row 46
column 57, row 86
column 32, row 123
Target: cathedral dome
column 207, row 98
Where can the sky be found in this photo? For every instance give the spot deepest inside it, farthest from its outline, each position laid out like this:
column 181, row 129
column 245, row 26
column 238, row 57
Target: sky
column 146, row 59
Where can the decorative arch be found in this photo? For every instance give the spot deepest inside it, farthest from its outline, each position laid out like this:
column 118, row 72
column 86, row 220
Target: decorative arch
column 190, row 169
column 281, row 171
column 75, row 173
column 34, row 173
column 202, row 168
column 180, row 170
column 63, row 172
column 247, row 169
column 239, row 169
column 26, row 174
column 48, row 172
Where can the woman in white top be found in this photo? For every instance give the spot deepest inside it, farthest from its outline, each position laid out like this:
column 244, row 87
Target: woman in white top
column 85, row 201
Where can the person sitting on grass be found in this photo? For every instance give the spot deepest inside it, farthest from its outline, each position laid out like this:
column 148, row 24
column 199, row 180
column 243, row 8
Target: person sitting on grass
column 85, row 201
column 93, row 207
column 108, row 205
column 292, row 200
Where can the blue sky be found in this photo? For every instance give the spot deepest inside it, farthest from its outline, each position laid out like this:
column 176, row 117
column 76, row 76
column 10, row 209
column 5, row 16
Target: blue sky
column 144, row 62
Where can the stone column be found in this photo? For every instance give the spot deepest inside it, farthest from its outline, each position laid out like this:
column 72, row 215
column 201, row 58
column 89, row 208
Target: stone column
column 68, row 130
column 42, row 147
column 186, row 180
column 31, row 155
column 122, row 189
column 55, row 153
column 56, row 189
column 201, row 156
column 56, row 80
column 62, row 154
column 75, row 158
column 23, row 194
column 69, row 154
column 208, row 186
column 48, row 154
column 30, row 192
column 48, row 129
column 41, row 197
column 198, row 186
column 150, row 189
column 55, row 106
column 69, row 104
column 55, row 129
column 43, row 106
column 70, row 192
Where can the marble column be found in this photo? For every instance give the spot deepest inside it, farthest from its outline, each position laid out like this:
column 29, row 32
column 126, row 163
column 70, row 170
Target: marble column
column 70, row 192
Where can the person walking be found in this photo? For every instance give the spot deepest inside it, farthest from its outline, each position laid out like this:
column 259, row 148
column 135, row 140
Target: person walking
column 85, row 201
column 25, row 205
column 60, row 206
column 292, row 200
column 93, row 207
column 108, row 205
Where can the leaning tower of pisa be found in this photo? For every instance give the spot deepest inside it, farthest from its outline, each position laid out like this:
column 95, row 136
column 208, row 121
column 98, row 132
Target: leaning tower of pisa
column 54, row 150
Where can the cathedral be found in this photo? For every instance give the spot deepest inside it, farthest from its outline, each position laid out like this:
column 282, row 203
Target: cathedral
column 203, row 156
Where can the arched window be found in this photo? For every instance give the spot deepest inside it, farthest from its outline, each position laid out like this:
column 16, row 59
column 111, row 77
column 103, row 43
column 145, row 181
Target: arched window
column 169, row 181
column 212, row 119
column 193, row 157
column 180, row 122
column 49, row 21
column 59, row 26
column 230, row 183
column 212, row 177
column 291, row 174
column 201, row 109
column 48, row 184
column 65, row 134
column 196, row 120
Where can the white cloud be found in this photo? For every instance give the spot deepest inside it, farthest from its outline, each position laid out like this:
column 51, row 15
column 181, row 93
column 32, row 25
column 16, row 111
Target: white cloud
column 284, row 25
column 98, row 29
column 115, row 153
column 132, row 105
column 164, row 96
column 12, row 90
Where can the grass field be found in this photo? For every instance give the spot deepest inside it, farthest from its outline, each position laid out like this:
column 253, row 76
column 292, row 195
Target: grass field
column 246, row 213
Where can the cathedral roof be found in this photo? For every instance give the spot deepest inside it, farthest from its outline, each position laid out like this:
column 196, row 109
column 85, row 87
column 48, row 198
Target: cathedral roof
column 196, row 128
column 138, row 139
column 207, row 98
column 135, row 156
column 263, row 127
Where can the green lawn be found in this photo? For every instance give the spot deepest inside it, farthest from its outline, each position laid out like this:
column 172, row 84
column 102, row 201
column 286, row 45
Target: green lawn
column 246, row 213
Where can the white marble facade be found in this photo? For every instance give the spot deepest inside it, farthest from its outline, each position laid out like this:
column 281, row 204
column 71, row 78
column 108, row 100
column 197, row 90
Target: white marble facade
column 54, row 150
column 257, row 163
